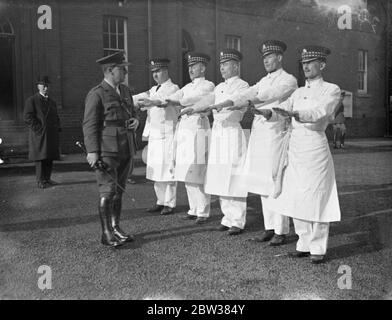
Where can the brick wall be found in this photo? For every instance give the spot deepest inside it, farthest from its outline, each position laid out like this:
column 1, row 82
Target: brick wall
column 67, row 53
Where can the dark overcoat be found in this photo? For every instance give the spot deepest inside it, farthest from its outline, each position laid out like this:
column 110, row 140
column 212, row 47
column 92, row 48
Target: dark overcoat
column 103, row 104
column 40, row 114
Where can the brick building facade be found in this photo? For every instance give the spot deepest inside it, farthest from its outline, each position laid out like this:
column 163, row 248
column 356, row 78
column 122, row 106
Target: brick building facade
column 82, row 31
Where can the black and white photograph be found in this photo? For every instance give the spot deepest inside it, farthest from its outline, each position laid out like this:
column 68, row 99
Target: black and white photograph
column 206, row 153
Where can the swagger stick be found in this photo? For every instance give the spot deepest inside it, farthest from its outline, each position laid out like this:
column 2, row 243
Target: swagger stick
column 102, row 166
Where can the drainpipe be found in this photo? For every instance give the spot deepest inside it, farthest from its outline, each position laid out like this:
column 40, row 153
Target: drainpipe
column 149, row 36
column 387, row 73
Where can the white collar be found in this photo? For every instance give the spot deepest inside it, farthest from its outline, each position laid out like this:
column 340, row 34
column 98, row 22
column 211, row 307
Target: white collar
column 275, row 73
column 199, row 79
column 314, row 83
column 46, row 97
column 232, row 79
column 168, row 81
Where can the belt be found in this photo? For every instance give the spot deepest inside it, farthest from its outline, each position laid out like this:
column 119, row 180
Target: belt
column 114, row 123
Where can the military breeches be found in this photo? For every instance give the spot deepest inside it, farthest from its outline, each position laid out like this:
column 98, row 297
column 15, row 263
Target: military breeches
column 117, row 171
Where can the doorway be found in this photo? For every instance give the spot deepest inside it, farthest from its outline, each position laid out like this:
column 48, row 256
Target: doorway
column 7, row 93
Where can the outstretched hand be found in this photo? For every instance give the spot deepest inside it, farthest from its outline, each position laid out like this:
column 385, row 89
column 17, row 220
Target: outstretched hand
column 187, row 111
column 283, row 112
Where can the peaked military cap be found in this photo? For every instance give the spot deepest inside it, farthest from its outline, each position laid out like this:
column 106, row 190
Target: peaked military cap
column 158, row 63
column 43, row 80
column 115, row 59
column 196, row 57
column 230, row 54
column 272, row 46
column 311, row 53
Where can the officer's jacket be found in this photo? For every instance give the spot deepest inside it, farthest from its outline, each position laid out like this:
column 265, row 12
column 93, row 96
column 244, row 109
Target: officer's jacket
column 104, row 120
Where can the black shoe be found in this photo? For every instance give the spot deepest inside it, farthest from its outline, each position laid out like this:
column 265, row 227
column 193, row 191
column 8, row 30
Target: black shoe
column 155, row 208
column 233, row 231
column 51, row 182
column 277, row 240
column 167, row 210
column 201, row 220
column 298, row 254
column 188, row 217
column 131, row 181
column 265, row 236
column 317, row 258
column 222, row 228
column 42, row 185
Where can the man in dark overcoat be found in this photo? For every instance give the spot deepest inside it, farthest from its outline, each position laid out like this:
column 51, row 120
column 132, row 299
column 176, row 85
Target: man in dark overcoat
column 40, row 114
column 108, row 128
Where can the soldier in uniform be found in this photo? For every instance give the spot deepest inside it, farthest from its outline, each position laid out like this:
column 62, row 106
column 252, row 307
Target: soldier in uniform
column 192, row 137
column 160, row 127
column 267, row 137
column 309, row 192
column 108, row 128
column 227, row 147
column 40, row 114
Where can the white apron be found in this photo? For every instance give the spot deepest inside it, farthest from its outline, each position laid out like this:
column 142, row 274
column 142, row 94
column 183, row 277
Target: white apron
column 160, row 128
column 267, row 137
column 309, row 188
column 193, row 133
column 228, row 146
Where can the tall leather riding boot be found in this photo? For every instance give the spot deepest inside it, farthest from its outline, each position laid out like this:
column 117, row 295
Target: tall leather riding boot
column 108, row 236
column 115, row 221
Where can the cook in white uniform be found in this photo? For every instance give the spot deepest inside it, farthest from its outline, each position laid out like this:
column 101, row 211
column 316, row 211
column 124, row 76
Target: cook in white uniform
column 309, row 192
column 192, row 137
column 227, row 147
column 267, row 137
column 160, row 127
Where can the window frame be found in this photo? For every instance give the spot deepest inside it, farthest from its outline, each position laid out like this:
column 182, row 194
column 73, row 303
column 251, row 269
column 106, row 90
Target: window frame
column 111, row 49
column 362, row 67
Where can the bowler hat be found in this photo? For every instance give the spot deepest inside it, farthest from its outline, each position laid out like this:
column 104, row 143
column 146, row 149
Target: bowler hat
column 43, row 80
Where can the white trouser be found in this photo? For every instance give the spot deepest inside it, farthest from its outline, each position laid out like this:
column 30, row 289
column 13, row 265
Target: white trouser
column 166, row 193
column 272, row 220
column 234, row 211
column 313, row 236
column 199, row 201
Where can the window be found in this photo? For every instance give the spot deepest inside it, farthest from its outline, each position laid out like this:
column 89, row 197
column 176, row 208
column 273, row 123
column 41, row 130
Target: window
column 114, row 35
column 362, row 71
column 233, row 42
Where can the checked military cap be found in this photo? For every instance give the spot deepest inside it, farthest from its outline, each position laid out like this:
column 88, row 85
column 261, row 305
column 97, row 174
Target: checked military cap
column 311, row 53
column 43, row 80
column 196, row 57
column 230, row 54
column 272, row 46
column 115, row 59
column 158, row 63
